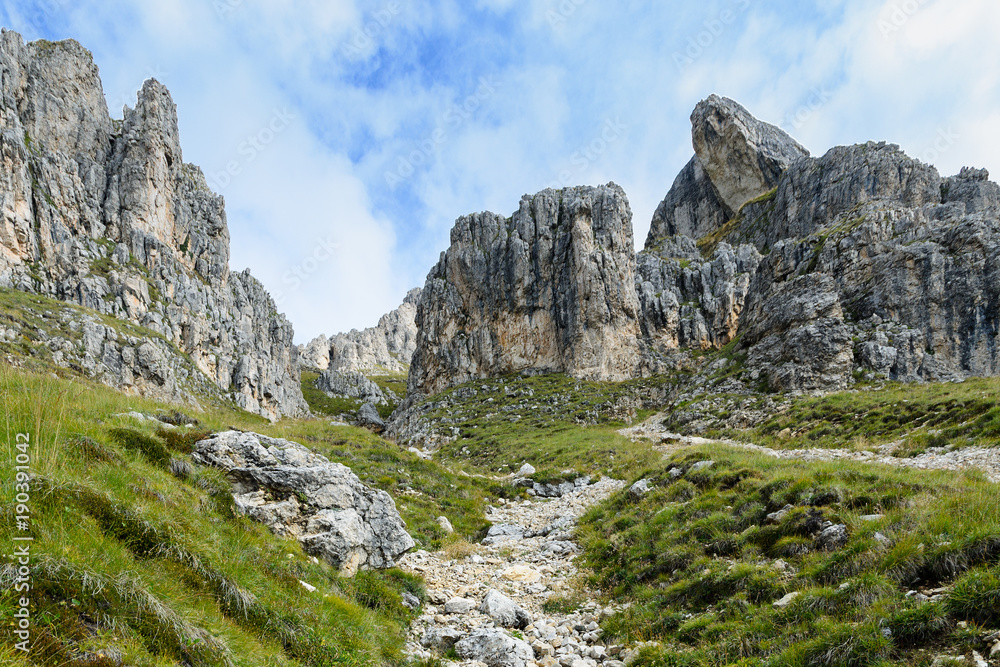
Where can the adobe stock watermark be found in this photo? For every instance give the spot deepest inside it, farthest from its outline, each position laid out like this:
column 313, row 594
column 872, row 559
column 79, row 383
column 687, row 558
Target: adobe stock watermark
column 944, row 141
column 293, row 279
column 818, row 98
column 898, row 15
column 564, row 10
column 226, row 8
column 251, row 148
column 449, row 123
column 129, row 97
column 53, row 7
column 712, row 30
column 20, row 555
column 611, row 131
column 375, row 28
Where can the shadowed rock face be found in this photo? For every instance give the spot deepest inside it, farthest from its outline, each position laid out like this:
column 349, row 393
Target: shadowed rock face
column 550, row 289
column 107, row 215
column 691, row 208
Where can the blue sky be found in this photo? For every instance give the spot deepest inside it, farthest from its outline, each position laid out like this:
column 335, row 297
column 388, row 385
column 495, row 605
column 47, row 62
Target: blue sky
column 348, row 136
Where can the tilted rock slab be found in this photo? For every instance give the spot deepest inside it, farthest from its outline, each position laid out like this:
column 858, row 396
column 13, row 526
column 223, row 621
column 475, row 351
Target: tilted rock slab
column 106, row 214
column 301, row 494
column 550, row 289
column 744, row 157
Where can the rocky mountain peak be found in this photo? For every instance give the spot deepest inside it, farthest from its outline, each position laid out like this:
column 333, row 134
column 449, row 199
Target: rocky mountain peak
column 108, row 216
column 860, row 263
column 549, row 289
column 386, row 348
column 743, row 156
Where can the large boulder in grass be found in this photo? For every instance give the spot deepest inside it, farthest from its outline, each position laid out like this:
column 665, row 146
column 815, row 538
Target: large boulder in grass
column 301, row 494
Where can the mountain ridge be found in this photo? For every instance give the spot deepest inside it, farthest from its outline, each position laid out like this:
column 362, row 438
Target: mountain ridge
column 107, row 215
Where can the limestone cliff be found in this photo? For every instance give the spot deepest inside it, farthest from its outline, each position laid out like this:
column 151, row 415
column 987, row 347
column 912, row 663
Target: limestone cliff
column 869, row 261
column 107, row 215
column 549, row 289
column 862, row 262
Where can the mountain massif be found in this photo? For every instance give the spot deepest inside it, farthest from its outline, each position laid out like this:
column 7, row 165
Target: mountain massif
column 754, row 516
column 861, row 263
column 106, row 214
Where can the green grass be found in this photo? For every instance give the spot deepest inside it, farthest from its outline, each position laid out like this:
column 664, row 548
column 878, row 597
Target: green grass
column 133, row 557
column 919, row 415
column 699, row 561
column 553, row 422
column 320, row 403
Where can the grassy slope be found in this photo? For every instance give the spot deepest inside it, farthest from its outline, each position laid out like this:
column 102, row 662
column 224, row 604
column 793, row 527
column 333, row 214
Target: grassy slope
column 915, row 416
column 321, row 404
column 540, row 420
column 698, row 559
column 127, row 556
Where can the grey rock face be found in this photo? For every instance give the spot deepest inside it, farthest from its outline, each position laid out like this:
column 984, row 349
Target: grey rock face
column 107, row 215
column 797, row 337
column 816, row 191
column 504, row 611
column 387, row 347
column 550, row 289
column 301, row 494
column 743, row 156
column 691, row 208
column 352, row 385
column 690, row 302
column 871, row 262
column 495, row 648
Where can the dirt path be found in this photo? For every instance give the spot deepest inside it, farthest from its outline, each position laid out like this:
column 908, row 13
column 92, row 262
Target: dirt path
column 941, row 458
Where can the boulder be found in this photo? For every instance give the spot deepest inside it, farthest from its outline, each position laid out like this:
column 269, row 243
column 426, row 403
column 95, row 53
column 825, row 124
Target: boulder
column 640, row 488
column 459, row 606
column 301, row 494
column 832, row 538
column 496, row 648
column 341, row 384
column 441, row 639
column 504, row 611
column 368, row 417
